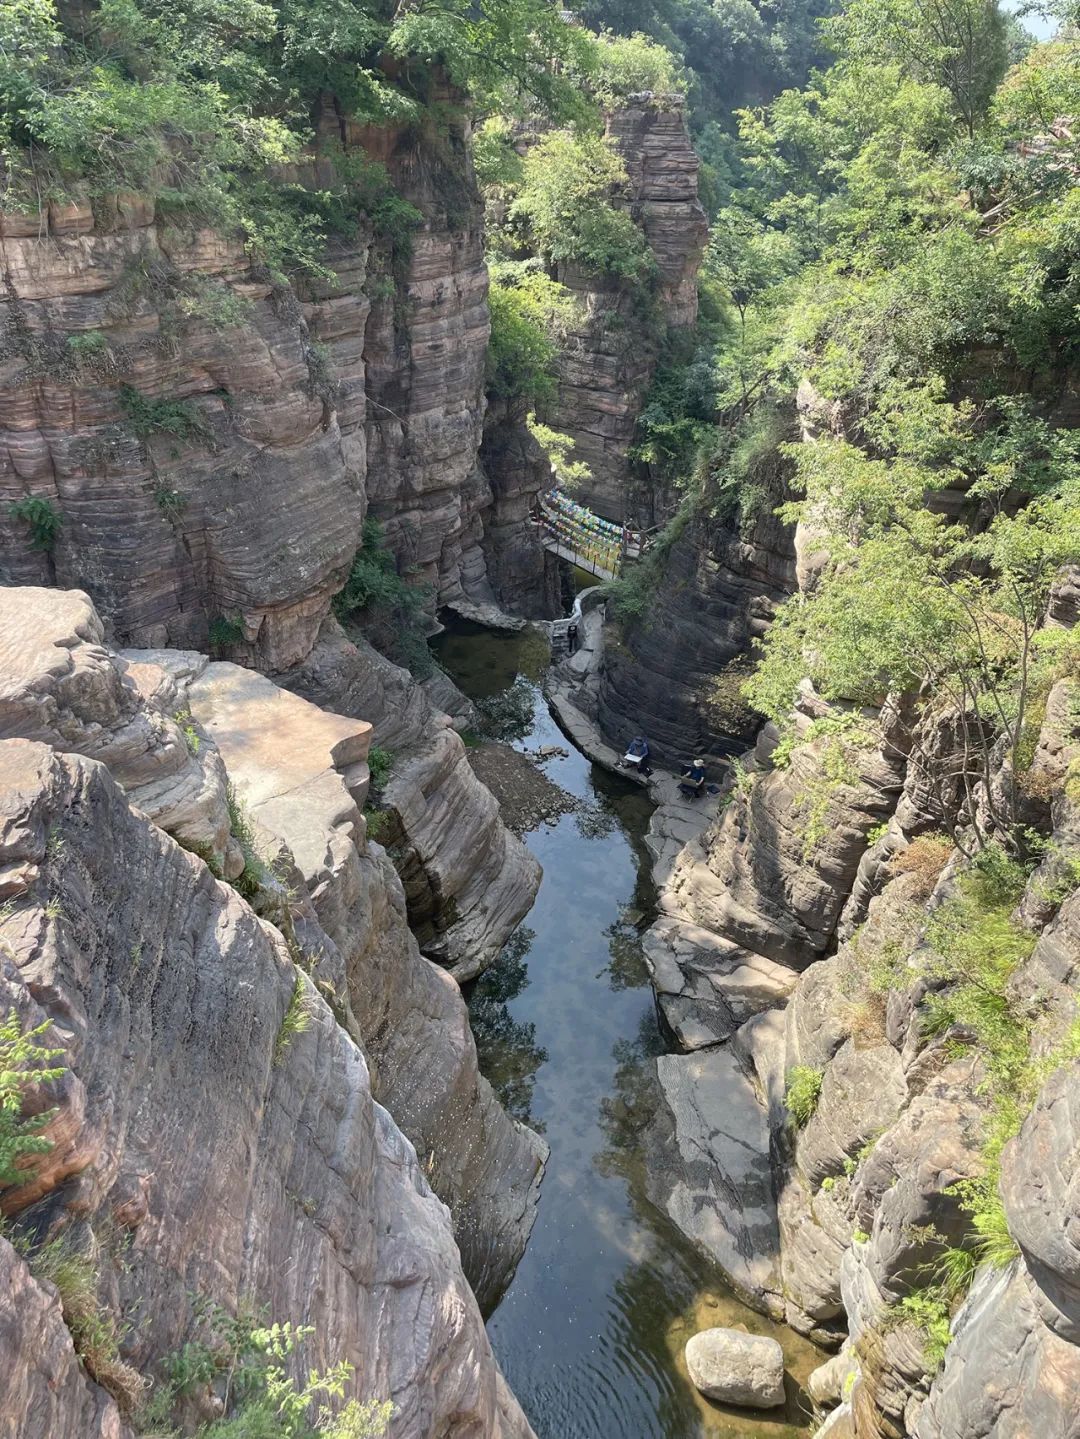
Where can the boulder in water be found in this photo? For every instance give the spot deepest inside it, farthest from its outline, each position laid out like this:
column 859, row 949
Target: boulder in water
column 737, row 1368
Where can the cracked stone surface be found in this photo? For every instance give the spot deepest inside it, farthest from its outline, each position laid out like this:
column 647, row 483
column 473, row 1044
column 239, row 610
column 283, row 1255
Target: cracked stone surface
column 710, row 1171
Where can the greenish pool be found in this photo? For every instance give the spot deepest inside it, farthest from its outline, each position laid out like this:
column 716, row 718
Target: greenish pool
column 591, row 1330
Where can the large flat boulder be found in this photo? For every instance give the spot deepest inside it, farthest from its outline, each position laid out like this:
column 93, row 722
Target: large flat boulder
column 705, row 985
column 709, row 1169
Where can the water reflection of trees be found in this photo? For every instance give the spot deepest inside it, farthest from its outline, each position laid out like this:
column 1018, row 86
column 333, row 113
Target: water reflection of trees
column 626, row 1112
column 626, row 969
column 659, row 1287
column 508, row 714
column 506, row 1047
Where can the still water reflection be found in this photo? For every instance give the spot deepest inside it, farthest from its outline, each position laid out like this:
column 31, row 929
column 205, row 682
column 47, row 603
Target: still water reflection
column 591, row 1330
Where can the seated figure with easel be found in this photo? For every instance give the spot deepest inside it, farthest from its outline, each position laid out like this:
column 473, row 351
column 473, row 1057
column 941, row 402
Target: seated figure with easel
column 692, row 783
column 637, row 756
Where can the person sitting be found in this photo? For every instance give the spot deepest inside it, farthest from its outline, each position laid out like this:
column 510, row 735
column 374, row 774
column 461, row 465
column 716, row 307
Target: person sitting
column 637, row 755
column 693, row 781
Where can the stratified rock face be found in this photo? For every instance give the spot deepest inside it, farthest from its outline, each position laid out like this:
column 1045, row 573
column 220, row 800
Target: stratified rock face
column 775, row 871
column 1013, row 1368
column 248, row 1164
column 523, row 576
column 866, row 1196
column 468, row 880
column 651, row 136
column 1040, row 1181
column 1005, row 1373
column 44, row 1390
column 667, row 676
column 217, row 485
column 301, row 774
column 608, row 358
column 410, row 360
column 211, row 442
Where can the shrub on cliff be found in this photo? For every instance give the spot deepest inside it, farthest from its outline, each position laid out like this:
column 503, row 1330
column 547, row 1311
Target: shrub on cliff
column 383, row 603
column 248, row 1365
column 567, row 206
column 801, row 1093
column 42, row 520
column 205, row 107
column 624, row 65
column 529, row 312
column 24, row 1063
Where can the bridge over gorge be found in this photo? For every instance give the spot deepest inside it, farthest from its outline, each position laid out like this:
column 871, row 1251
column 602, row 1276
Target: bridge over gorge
column 575, row 533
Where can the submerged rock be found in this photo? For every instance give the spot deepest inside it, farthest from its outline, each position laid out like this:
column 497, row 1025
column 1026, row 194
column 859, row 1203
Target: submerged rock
column 737, row 1368
column 709, row 1169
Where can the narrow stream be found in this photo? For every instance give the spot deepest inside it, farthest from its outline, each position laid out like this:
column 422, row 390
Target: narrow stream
column 590, row 1332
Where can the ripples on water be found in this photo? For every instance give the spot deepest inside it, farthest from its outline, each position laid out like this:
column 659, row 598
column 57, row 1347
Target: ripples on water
column 591, row 1330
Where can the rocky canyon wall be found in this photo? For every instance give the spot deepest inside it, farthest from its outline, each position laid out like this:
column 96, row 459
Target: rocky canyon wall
column 834, row 1219
column 245, row 756
column 211, row 440
column 216, row 1134
column 674, row 673
column 608, row 358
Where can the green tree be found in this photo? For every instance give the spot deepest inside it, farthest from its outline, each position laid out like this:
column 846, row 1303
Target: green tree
column 911, row 603
column 529, row 314
column 622, row 65
column 567, row 206
column 501, row 51
column 958, row 44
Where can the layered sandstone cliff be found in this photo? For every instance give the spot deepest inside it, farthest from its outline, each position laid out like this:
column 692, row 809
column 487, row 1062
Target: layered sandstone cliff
column 608, row 357
column 863, row 1207
column 163, row 721
column 211, row 440
column 675, row 673
column 203, row 1149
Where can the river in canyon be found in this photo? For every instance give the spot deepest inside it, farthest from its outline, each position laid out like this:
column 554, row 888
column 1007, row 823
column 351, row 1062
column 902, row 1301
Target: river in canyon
column 591, row 1330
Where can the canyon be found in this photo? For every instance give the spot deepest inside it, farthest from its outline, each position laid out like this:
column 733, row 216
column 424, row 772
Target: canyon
column 182, row 711
column 247, row 864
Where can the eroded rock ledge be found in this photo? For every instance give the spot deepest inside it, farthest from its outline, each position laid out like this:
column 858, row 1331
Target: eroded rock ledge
column 132, row 947
column 468, row 880
column 285, row 1183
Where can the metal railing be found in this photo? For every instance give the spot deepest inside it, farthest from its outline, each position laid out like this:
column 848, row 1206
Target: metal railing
column 591, row 543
